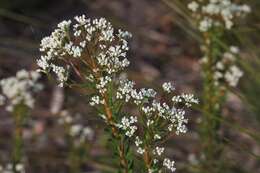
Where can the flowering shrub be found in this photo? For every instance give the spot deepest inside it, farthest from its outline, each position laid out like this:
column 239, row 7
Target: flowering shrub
column 90, row 55
column 215, row 20
column 17, row 95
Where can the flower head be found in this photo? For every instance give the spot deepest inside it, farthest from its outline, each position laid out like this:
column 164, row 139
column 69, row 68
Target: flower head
column 19, row 89
column 217, row 13
column 84, row 44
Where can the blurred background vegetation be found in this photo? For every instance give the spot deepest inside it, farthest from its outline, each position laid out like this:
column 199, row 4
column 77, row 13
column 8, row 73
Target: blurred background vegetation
column 165, row 47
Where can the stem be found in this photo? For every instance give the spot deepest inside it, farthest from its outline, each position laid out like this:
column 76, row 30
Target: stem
column 124, row 162
column 109, row 115
column 147, row 158
column 19, row 115
column 213, row 97
column 74, row 158
column 121, row 145
column 17, row 151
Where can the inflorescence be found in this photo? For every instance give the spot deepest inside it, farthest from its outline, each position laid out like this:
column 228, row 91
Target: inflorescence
column 225, row 70
column 90, row 42
column 154, row 115
column 19, row 89
column 215, row 17
column 217, row 13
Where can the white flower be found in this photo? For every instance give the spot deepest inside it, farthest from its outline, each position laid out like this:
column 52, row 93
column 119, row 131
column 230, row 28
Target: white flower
column 19, row 167
column 19, row 89
column 127, row 92
column 88, row 133
column 226, row 70
column 149, row 122
column 156, row 136
column 180, row 120
column 151, row 170
column 220, row 66
column 155, row 161
column 96, row 100
column 159, row 151
column 22, row 74
column 127, row 124
column 170, row 127
column 245, row 8
column 167, row 87
column 125, row 89
column 189, row 99
column 228, row 56
column 64, row 24
column 75, row 129
column 103, row 82
column 205, row 24
column 61, row 73
column 43, row 63
column 140, row 150
column 9, row 168
column 234, row 49
column 177, row 99
column 65, row 117
column 81, row 19
column 218, row 75
column 233, row 75
column 138, row 142
column 169, row 164
column 193, row 6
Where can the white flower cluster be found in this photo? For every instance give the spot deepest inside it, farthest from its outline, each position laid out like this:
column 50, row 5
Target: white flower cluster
column 175, row 116
column 102, row 84
column 157, row 115
column 128, row 125
column 212, row 14
column 96, row 100
column 167, row 87
column 226, row 70
column 158, row 151
column 169, row 164
column 19, row 168
column 79, row 132
column 215, row 13
column 90, row 42
column 82, row 133
column 189, row 99
column 127, row 92
column 138, row 144
column 19, row 89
